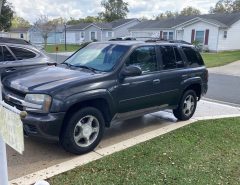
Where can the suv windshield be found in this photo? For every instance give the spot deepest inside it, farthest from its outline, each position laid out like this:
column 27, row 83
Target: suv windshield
column 100, row 57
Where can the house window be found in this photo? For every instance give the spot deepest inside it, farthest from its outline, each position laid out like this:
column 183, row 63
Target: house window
column 200, row 36
column 21, row 35
column 165, row 35
column 82, row 34
column 109, row 34
column 93, row 35
column 170, row 37
column 225, row 34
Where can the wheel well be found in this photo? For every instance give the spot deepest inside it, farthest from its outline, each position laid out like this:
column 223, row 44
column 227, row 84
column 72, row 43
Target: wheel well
column 101, row 104
column 197, row 88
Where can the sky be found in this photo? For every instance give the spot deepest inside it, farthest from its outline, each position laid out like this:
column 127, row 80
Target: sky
column 32, row 9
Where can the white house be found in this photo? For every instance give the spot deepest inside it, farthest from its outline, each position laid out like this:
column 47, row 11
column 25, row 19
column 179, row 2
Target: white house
column 85, row 32
column 217, row 32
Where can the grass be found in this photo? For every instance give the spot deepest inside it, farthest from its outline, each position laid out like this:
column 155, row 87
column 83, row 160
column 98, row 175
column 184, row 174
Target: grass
column 221, row 58
column 206, row 152
column 61, row 48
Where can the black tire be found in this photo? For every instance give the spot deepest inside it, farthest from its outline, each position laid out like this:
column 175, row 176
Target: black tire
column 67, row 137
column 179, row 112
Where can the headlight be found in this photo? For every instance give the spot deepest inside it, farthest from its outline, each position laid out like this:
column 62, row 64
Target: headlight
column 38, row 102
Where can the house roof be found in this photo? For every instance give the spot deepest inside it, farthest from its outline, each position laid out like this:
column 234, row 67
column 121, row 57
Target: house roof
column 223, row 20
column 101, row 25
column 19, row 30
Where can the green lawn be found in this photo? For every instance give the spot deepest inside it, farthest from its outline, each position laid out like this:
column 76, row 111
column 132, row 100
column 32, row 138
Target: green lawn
column 220, row 59
column 206, row 152
column 61, row 48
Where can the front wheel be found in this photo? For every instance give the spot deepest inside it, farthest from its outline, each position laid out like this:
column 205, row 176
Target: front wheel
column 83, row 131
column 187, row 106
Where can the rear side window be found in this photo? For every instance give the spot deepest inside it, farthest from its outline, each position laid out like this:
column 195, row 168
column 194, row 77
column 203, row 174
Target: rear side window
column 193, row 57
column 22, row 54
column 7, row 56
column 171, row 58
column 1, row 54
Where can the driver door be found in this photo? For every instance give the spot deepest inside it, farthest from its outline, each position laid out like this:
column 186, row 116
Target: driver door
column 139, row 92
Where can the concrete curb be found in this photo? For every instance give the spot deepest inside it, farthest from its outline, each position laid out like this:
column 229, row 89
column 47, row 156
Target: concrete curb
column 97, row 154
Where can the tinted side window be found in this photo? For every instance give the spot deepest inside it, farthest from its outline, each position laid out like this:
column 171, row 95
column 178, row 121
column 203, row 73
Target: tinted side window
column 179, row 60
column 7, row 56
column 22, row 53
column 145, row 58
column 1, row 54
column 168, row 57
column 193, row 57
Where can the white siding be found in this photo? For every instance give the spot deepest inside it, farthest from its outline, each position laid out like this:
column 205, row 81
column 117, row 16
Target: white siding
column 232, row 42
column 123, row 31
column 202, row 26
column 70, row 37
column 147, row 34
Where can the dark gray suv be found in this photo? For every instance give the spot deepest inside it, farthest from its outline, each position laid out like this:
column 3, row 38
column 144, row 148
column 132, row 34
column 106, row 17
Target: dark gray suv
column 74, row 101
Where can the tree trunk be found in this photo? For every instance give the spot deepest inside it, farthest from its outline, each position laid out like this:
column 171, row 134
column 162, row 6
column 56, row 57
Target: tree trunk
column 45, row 42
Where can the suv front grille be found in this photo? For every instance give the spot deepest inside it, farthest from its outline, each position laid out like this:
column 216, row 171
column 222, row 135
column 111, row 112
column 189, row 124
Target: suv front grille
column 6, row 91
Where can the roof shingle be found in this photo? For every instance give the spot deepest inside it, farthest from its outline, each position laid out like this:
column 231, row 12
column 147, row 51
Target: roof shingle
column 222, row 20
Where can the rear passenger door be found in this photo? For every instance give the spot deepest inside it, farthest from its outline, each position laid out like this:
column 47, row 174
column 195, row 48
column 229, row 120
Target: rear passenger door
column 170, row 75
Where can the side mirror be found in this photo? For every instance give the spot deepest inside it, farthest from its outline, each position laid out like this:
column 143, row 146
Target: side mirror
column 131, row 71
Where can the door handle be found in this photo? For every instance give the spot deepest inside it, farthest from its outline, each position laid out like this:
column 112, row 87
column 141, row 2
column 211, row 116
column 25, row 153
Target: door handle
column 10, row 69
column 156, row 81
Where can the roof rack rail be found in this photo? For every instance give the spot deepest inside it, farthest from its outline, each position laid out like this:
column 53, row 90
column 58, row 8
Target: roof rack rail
column 169, row 41
column 13, row 41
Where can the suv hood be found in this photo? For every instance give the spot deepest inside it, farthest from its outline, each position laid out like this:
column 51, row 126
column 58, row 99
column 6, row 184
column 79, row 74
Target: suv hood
column 45, row 78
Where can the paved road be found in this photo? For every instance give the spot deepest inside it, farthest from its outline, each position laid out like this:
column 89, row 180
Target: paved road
column 224, row 88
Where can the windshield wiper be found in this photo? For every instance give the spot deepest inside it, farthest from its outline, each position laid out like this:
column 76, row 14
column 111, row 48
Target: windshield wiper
column 86, row 67
column 67, row 64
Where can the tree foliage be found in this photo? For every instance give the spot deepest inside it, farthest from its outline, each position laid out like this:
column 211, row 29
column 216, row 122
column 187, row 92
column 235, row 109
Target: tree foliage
column 88, row 19
column 190, row 11
column 19, row 22
column 167, row 14
column 6, row 16
column 113, row 10
column 226, row 6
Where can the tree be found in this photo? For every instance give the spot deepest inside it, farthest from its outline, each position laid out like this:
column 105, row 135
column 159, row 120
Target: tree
column 190, row 11
column 1, row 2
column 19, row 22
column 45, row 27
column 223, row 6
column 57, row 21
column 113, row 10
column 236, row 6
column 6, row 16
column 167, row 14
column 88, row 19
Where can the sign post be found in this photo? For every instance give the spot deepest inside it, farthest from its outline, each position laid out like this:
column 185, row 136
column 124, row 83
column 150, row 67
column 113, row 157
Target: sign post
column 3, row 154
column 11, row 133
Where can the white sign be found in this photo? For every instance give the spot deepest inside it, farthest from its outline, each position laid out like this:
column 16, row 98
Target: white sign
column 11, row 129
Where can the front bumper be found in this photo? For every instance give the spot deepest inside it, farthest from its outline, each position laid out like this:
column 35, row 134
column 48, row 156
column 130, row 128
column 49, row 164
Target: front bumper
column 45, row 126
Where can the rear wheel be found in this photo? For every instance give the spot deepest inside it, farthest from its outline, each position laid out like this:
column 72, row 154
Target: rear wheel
column 83, row 131
column 187, row 106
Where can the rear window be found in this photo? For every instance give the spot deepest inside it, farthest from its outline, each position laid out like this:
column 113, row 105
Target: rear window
column 22, row 54
column 193, row 57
